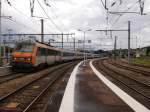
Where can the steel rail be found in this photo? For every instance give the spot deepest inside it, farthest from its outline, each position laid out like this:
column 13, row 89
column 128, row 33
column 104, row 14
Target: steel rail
column 22, row 87
column 144, row 72
column 138, row 65
column 117, row 72
column 105, row 70
column 44, row 90
column 7, row 78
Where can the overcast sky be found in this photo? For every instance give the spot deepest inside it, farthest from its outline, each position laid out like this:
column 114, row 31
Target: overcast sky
column 68, row 16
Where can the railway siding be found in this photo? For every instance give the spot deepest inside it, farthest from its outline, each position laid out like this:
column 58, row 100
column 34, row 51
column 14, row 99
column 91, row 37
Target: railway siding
column 134, row 75
column 136, row 89
column 26, row 94
column 17, row 83
column 50, row 100
column 144, row 70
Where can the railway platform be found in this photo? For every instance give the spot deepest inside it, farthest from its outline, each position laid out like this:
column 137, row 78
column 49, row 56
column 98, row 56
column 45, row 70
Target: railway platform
column 90, row 91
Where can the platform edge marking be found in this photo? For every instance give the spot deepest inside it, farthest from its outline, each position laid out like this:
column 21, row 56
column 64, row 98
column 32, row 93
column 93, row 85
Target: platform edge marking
column 134, row 104
column 67, row 104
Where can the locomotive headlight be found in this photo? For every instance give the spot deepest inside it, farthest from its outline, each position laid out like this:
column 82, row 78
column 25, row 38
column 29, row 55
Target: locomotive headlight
column 28, row 59
column 15, row 58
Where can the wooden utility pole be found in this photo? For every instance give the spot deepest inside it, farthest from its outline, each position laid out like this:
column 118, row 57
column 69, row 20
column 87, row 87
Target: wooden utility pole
column 42, row 30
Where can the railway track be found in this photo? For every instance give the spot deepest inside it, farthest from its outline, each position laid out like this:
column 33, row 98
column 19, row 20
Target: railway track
column 144, row 71
column 138, row 88
column 11, row 76
column 137, row 65
column 26, row 96
column 5, row 71
column 39, row 99
column 14, row 76
column 6, row 75
column 134, row 75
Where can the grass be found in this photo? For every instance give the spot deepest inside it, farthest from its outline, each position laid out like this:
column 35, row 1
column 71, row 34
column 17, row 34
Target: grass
column 141, row 61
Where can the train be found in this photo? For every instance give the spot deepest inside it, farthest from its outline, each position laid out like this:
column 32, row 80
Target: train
column 32, row 54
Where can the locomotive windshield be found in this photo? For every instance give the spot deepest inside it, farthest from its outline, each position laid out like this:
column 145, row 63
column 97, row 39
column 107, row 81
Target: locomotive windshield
column 24, row 47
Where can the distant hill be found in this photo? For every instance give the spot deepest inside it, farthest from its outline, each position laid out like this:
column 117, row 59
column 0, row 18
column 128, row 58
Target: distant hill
column 99, row 51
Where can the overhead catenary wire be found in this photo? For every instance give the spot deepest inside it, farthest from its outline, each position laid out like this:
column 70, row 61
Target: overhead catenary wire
column 50, row 6
column 32, row 6
column 145, row 25
column 21, row 24
column 118, row 7
column 141, row 11
column 49, row 16
column 53, row 13
column 10, row 4
column 123, row 14
column 103, row 3
column 141, row 3
column 20, row 12
column 118, row 18
column 120, row 15
column 46, row 3
column 107, row 9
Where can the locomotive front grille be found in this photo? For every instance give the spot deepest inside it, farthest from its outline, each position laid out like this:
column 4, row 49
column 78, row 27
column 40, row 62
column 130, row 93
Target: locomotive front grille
column 22, row 59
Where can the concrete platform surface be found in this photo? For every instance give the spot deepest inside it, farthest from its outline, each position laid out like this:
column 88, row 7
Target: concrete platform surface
column 85, row 92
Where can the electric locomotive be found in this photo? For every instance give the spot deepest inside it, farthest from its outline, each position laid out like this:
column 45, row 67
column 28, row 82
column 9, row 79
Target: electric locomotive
column 31, row 54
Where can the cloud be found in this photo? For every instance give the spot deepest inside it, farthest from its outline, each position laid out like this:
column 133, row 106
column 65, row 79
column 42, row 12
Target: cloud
column 71, row 15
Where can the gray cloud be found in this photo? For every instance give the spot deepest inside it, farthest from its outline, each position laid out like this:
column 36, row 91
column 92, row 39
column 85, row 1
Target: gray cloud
column 70, row 15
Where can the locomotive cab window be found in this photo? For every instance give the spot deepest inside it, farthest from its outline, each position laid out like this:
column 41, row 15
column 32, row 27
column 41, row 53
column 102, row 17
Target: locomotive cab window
column 24, row 47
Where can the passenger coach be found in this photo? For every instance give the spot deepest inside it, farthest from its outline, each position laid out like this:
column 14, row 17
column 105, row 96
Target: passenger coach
column 30, row 54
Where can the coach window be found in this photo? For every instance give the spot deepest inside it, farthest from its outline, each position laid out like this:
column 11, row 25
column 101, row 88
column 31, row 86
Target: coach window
column 43, row 52
column 58, row 53
column 48, row 52
column 38, row 51
column 64, row 54
column 53, row 52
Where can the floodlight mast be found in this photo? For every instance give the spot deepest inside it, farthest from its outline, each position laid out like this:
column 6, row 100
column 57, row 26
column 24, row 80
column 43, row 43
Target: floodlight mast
column 84, row 31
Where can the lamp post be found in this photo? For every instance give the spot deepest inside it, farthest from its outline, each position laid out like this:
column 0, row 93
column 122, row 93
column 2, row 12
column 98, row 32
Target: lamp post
column 84, row 31
column 74, row 43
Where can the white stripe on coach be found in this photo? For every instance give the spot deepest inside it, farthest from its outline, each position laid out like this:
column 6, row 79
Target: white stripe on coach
column 135, row 105
column 67, row 104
